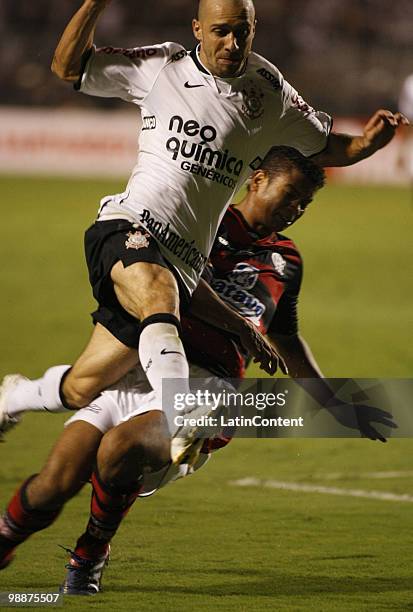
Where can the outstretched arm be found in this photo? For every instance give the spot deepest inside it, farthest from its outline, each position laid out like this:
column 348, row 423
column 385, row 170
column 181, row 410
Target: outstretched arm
column 76, row 40
column 345, row 150
column 302, row 365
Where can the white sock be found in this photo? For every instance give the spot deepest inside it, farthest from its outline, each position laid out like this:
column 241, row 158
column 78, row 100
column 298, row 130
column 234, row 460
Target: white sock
column 41, row 394
column 162, row 355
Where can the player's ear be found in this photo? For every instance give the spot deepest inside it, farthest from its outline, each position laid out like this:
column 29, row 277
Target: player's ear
column 254, row 27
column 256, row 179
column 197, row 29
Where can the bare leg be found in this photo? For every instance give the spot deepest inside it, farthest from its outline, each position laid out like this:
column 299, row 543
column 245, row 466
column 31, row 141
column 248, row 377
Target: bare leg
column 68, row 467
column 38, row 501
column 144, row 289
column 150, row 293
column 104, row 361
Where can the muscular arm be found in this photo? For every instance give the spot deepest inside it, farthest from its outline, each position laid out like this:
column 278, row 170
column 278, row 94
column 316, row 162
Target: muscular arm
column 208, row 306
column 76, row 40
column 345, row 149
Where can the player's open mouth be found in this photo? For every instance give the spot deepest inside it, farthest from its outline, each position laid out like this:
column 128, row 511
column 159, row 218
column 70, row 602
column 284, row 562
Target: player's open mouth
column 229, row 61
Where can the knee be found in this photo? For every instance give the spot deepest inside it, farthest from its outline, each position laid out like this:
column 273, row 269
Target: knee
column 129, row 448
column 78, row 392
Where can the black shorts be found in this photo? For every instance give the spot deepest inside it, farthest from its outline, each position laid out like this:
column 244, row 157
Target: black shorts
column 106, row 243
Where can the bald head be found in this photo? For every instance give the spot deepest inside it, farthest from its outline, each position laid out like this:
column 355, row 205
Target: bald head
column 225, row 29
column 205, row 7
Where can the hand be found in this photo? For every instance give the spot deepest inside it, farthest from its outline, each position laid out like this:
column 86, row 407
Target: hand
column 260, row 349
column 381, row 127
column 360, row 416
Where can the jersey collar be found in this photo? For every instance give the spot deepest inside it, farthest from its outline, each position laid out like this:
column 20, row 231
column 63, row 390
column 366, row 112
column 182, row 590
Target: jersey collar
column 195, row 55
column 245, row 235
column 197, row 60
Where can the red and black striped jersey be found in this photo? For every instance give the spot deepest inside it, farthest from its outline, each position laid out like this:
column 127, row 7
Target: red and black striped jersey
column 258, row 277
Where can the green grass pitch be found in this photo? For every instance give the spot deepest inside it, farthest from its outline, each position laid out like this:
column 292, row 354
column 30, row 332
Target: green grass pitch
column 204, row 543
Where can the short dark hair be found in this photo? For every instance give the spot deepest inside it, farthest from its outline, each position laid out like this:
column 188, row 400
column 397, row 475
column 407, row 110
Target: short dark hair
column 282, row 158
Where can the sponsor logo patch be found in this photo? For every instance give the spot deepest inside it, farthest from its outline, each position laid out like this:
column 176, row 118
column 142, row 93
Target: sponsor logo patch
column 137, row 52
column 186, row 251
column 200, row 158
column 149, row 123
column 234, row 290
column 268, row 76
column 256, row 163
column 179, row 55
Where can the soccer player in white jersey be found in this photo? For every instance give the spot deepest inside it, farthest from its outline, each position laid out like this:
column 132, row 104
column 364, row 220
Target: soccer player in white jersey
column 209, row 117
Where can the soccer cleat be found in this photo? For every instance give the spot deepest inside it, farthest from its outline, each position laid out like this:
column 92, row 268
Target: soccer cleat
column 186, row 443
column 6, row 421
column 185, row 448
column 84, row 576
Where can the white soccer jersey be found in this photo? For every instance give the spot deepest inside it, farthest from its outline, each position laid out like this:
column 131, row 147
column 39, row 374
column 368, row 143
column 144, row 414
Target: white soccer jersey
column 201, row 137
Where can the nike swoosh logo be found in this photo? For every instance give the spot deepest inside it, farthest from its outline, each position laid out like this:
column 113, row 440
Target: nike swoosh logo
column 188, row 86
column 165, row 352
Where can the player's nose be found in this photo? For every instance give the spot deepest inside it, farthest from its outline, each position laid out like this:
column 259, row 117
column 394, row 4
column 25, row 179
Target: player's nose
column 231, row 43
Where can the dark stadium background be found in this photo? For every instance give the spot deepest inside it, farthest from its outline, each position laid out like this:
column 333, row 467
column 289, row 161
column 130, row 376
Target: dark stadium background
column 347, row 56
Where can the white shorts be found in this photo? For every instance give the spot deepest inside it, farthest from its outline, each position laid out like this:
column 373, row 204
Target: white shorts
column 133, row 396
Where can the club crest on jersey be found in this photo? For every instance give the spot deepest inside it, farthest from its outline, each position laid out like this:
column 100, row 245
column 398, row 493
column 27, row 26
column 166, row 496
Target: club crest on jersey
column 253, row 105
column 279, row 263
column 137, row 240
column 244, row 275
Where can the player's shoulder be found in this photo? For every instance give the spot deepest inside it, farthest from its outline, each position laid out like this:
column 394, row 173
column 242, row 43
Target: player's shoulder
column 282, row 249
column 174, row 51
column 260, row 69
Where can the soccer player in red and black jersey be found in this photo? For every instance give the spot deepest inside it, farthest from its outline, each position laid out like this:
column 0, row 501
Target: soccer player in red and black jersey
column 256, row 272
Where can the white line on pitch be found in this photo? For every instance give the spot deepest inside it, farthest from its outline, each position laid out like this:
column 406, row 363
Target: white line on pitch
column 310, row 488
column 360, row 475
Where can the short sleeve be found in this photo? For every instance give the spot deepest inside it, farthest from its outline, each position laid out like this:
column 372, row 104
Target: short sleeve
column 285, row 319
column 129, row 74
column 300, row 126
